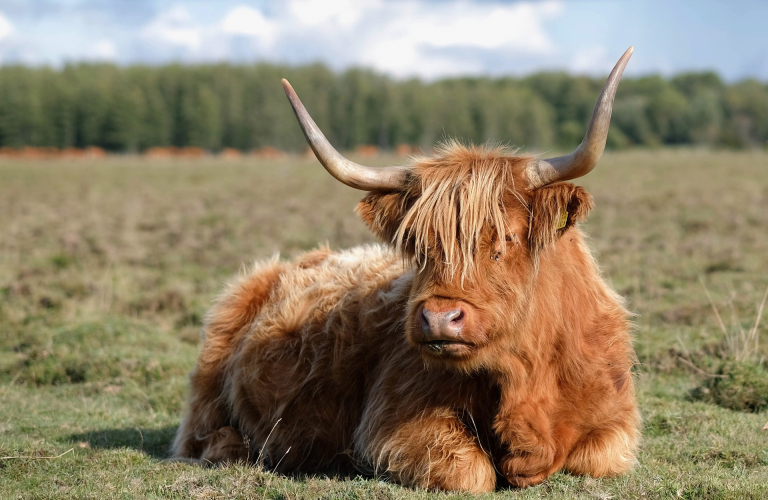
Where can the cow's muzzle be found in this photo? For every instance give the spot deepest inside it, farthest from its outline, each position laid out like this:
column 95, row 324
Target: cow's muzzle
column 441, row 330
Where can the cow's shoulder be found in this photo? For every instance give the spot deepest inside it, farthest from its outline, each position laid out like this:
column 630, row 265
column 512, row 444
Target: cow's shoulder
column 317, row 282
column 354, row 268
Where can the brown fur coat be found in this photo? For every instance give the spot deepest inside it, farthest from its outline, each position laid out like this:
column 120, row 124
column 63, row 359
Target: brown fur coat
column 320, row 363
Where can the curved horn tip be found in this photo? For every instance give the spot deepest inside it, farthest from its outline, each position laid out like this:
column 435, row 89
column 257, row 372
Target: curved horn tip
column 287, row 86
column 624, row 59
column 582, row 160
column 628, row 53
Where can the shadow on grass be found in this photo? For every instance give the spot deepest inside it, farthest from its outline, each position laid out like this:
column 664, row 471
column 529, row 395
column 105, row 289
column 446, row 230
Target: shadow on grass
column 154, row 442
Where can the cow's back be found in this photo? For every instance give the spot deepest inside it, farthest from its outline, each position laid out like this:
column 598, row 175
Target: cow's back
column 297, row 371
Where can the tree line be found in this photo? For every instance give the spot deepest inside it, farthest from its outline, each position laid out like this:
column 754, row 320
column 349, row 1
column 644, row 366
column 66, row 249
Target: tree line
column 134, row 108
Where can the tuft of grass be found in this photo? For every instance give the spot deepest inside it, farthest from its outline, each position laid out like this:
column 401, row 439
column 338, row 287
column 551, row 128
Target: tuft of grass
column 736, row 385
column 740, row 381
column 742, row 345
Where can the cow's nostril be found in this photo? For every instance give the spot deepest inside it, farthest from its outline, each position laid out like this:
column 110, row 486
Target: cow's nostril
column 424, row 320
column 454, row 316
column 458, row 318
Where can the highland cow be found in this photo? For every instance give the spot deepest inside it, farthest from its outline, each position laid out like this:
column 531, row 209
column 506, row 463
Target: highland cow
column 478, row 346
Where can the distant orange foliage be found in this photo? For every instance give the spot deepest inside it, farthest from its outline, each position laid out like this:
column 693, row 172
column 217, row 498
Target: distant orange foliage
column 269, row 153
column 191, row 152
column 406, row 150
column 174, row 152
column 367, row 150
column 230, row 154
column 94, row 152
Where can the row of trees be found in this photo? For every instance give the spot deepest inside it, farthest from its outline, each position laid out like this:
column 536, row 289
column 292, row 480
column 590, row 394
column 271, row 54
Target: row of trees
column 243, row 107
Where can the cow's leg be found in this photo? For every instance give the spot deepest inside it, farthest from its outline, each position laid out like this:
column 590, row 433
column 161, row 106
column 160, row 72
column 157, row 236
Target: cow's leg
column 225, row 445
column 609, row 451
column 205, row 415
column 537, row 447
column 227, row 322
column 434, row 450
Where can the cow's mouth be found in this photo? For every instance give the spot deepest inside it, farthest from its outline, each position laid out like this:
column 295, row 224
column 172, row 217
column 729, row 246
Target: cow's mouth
column 446, row 347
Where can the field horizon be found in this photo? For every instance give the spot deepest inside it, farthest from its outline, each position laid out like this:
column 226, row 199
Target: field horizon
column 108, row 265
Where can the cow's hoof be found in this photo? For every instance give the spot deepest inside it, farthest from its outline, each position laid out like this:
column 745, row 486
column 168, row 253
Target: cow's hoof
column 526, row 481
column 526, row 470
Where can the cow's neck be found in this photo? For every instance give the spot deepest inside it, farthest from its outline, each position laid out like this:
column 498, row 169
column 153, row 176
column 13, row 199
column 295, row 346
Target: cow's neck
column 568, row 296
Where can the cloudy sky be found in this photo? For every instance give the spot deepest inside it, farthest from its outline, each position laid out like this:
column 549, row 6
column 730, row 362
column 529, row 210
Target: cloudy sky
column 425, row 38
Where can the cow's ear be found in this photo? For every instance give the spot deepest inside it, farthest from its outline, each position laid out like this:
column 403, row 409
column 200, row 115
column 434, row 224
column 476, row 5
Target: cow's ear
column 554, row 209
column 383, row 213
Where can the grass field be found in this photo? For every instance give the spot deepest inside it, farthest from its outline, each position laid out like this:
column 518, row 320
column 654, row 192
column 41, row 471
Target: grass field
column 107, row 266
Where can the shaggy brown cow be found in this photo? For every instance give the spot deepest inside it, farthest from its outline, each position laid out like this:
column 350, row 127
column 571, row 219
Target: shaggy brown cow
column 480, row 344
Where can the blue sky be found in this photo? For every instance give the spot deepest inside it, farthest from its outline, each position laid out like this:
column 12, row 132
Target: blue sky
column 404, row 38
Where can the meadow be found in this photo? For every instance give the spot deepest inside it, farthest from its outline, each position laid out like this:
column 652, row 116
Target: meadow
column 107, row 267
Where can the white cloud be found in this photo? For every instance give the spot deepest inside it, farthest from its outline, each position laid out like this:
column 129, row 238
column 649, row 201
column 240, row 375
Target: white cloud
column 516, row 26
column 247, row 21
column 175, row 28
column 433, row 41
column 9, row 49
column 6, row 28
column 104, row 50
column 413, row 37
column 334, row 14
column 403, row 38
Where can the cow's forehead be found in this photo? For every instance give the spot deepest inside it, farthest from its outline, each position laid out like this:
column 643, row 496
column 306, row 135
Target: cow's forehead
column 454, row 163
column 459, row 196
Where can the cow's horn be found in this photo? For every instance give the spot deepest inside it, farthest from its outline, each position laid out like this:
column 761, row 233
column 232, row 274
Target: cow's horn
column 585, row 157
column 350, row 173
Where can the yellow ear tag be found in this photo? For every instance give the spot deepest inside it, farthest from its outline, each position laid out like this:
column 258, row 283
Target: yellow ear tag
column 563, row 220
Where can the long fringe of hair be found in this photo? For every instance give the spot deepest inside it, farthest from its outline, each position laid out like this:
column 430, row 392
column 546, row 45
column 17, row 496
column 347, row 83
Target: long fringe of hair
column 461, row 193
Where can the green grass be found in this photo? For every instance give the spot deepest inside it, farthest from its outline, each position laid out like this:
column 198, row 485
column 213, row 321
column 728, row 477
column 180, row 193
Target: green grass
column 107, row 267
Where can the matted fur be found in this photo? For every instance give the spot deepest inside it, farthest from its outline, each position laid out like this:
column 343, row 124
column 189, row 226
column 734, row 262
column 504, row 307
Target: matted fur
column 320, row 363
column 460, row 194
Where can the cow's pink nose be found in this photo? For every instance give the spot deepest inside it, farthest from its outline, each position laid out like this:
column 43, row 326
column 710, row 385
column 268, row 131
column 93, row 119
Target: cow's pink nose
column 442, row 325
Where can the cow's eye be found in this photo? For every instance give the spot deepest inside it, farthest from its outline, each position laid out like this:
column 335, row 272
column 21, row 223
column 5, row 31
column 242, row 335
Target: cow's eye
column 496, row 253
